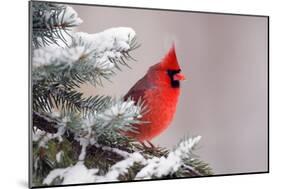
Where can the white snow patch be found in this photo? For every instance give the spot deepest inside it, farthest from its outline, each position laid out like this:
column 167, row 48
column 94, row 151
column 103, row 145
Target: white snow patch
column 48, row 136
column 106, row 45
column 79, row 173
column 51, row 55
column 122, row 167
column 117, row 39
column 163, row 166
column 59, row 156
column 37, row 135
column 97, row 48
column 116, row 150
column 70, row 17
column 84, row 138
column 84, row 143
column 76, row 174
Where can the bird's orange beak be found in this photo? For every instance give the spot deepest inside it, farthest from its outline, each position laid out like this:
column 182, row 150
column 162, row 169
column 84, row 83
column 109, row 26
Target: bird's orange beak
column 179, row 77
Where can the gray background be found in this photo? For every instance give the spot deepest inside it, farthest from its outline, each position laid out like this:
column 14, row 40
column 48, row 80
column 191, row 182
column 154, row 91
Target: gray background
column 224, row 58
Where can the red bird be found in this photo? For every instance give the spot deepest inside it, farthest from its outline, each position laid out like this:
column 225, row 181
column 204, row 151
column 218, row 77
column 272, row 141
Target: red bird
column 160, row 89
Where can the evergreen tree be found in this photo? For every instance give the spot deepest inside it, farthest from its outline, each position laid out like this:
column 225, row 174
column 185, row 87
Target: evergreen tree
column 77, row 139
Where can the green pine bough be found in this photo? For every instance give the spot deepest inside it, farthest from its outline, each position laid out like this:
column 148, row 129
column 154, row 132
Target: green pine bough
column 77, row 139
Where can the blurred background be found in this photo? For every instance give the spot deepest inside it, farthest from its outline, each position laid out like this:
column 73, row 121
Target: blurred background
column 224, row 98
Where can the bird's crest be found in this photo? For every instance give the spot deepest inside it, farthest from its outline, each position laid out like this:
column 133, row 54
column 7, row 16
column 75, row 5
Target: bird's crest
column 170, row 61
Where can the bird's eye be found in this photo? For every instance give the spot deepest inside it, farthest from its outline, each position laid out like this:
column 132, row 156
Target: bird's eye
column 173, row 72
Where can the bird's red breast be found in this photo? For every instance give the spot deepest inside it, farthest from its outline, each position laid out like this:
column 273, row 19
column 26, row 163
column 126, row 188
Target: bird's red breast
column 160, row 89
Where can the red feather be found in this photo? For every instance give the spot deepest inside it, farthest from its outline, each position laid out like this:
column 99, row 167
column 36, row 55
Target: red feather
column 160, row 97
column 170, row 61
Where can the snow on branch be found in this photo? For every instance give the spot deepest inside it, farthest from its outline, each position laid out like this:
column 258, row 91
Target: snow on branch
column 150, row 166
column 122, row 167
column 51, row 22
column 105, row 125
column 109, row 124
column 68, row 18
column 163, row 166
column 90, row 57
column 79, row 139
column 108, row 47
column 76, row 174
column 43, row 137
column 120, row 116
column 79, row 173
column 57, row 56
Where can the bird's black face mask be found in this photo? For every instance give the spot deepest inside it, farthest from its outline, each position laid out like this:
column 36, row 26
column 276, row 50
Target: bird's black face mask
column 174, row 83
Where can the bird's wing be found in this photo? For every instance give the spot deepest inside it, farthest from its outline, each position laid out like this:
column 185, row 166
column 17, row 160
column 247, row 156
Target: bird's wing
column 139, row 89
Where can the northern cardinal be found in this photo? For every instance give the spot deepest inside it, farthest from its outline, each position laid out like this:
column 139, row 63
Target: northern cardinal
column 160, row 90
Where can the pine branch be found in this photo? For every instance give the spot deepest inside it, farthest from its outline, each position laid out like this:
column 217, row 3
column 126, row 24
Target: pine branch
column 108, row 123
column 119, row 160
column 72, row 133
column 45, row 123
column 51, row 125
column 194, row 167
column 51, row 22
column 58, row 72
column 49, row 96
column 119, row 117
column 107, row 164
column 90, row 58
